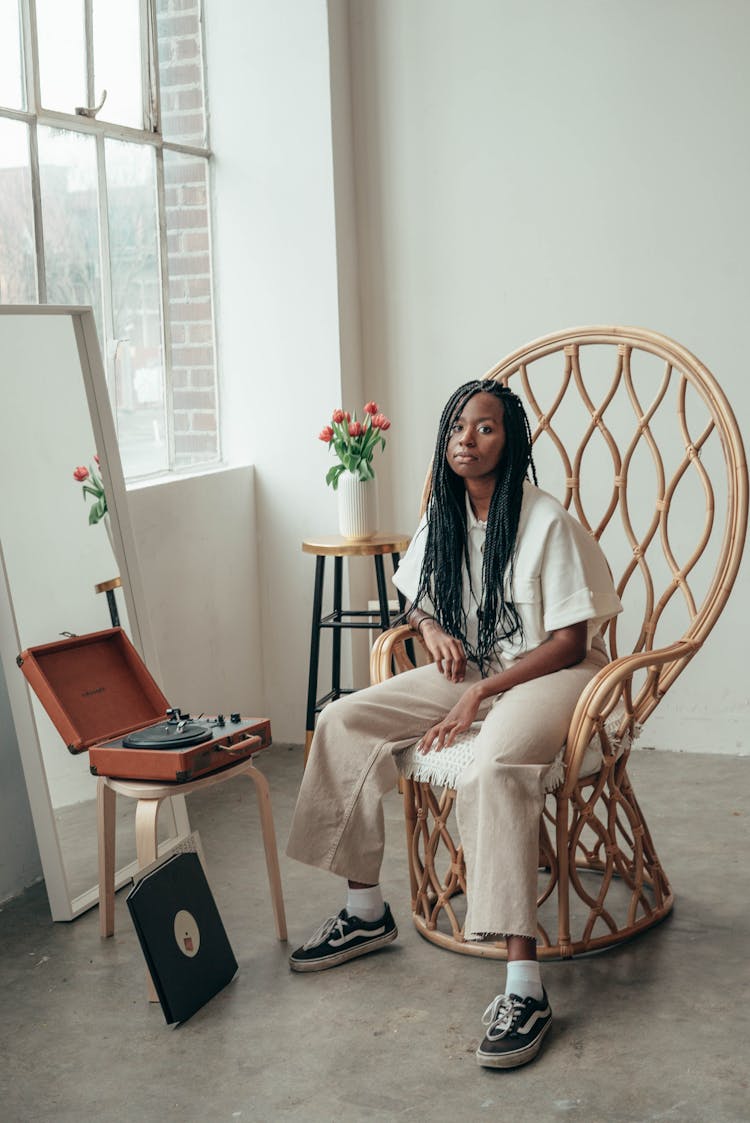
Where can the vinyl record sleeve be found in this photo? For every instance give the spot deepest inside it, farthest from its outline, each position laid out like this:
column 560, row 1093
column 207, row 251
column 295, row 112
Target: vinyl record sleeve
column 182, row 936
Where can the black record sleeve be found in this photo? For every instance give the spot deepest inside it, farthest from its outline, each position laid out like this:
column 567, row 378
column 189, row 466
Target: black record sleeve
column 182, row 935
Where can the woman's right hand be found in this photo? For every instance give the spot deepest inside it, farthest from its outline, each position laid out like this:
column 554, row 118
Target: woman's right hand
column 448, row 652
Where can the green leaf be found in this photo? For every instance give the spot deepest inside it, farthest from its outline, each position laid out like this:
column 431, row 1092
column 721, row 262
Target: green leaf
column 332, row 476
column 335, row 479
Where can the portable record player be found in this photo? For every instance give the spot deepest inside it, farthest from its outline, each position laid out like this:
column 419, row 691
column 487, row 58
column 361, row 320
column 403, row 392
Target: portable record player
column 101, row 697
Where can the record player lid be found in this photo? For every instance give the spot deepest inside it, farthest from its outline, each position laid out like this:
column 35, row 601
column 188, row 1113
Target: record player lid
column 94, row 687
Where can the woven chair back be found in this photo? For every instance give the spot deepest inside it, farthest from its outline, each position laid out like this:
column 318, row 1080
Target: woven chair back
column 636, row 438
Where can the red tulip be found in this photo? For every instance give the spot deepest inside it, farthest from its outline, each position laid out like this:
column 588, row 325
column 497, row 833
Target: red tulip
column 371, row 407
column 338, row 416
column 324, row 435
column 347, row 415
column 81, row 474
column 355, row 429
column 380, row 421
column 96, row 457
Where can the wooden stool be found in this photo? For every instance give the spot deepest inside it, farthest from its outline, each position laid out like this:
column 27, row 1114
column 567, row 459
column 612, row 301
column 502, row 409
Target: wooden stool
column 109, row 587
column 150, row 796
column 340, row 548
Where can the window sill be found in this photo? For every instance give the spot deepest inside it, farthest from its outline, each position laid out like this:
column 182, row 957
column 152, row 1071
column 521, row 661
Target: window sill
column 165, row 478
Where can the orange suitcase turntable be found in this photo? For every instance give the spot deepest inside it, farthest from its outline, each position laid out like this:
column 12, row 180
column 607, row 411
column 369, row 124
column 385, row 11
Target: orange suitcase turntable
column 101, row 697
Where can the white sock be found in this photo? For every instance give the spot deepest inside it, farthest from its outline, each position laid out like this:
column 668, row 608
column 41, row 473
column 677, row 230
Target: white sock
column 367, row 904
column 524, row 979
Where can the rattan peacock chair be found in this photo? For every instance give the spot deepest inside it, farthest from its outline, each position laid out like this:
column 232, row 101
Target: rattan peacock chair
column 633, row 434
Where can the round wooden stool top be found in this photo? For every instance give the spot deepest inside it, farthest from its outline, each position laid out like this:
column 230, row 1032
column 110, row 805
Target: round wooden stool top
column 107, row 586
column 335, row 545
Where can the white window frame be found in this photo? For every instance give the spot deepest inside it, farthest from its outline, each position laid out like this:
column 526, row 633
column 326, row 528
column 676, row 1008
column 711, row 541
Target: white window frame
column 36, row 114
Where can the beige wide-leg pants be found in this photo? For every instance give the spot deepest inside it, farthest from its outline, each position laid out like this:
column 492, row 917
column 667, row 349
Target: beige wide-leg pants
column 338, row 822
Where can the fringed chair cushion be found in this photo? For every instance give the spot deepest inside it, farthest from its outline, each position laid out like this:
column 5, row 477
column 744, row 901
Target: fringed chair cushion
column 444, row 768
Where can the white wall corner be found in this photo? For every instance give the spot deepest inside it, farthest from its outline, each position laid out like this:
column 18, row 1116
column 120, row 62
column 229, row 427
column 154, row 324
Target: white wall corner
column 197, row 546
column 280, row 302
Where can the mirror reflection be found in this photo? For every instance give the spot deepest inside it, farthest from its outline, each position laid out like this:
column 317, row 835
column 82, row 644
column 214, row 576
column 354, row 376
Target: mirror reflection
column 54, row 557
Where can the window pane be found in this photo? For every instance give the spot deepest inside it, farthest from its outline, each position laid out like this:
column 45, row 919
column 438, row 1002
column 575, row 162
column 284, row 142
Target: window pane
column 11, row 72
column 62, row 53
column 17, row 252
column 136, row 306
column 180, row 49
column 190, row 309
column 117, row 61
column 67, row 166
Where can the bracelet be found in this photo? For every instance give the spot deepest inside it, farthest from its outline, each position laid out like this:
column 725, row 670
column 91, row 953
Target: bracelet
column 422, row 622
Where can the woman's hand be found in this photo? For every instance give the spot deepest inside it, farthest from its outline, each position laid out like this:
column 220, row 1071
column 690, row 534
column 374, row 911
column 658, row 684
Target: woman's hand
column 448, row 653
column 456, row 721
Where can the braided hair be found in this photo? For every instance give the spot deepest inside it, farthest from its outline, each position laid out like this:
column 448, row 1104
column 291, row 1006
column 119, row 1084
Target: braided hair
column 447, row 546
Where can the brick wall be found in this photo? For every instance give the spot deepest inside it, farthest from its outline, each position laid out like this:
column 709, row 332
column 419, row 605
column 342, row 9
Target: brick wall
column 188, row 237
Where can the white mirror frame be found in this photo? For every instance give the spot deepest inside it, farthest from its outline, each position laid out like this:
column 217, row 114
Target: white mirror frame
column 63, row 905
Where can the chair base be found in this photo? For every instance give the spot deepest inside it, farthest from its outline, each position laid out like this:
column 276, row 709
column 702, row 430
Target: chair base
column 545, row 951
column 599, row 832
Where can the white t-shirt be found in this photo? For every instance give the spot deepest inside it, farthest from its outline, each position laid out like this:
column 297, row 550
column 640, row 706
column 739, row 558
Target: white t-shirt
column 561, row 576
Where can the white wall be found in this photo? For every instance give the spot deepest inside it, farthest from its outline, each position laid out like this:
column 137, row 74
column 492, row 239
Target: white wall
column 197, row 549
column 527, row 167
column 277, row 302
column 287, row 319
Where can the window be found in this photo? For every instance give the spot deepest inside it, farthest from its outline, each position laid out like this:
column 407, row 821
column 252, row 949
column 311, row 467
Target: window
column 104, row 201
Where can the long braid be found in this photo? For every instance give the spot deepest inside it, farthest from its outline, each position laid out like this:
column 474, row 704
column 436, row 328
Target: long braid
column 447, row 546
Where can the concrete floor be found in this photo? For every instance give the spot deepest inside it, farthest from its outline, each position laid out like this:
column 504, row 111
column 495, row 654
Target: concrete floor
column 654, row 1030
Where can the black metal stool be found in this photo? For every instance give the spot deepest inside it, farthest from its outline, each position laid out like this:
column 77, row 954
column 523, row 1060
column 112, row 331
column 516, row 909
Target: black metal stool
column 338, row 548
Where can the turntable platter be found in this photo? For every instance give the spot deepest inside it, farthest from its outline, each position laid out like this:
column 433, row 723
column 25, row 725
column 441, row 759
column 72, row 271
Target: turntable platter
column 169, row 735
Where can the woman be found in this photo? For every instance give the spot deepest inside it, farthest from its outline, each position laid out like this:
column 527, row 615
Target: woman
column 508, row 592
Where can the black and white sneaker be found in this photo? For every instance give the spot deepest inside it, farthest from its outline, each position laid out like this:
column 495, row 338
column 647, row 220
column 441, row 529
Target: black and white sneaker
column 515, row 1030
column 341, row 938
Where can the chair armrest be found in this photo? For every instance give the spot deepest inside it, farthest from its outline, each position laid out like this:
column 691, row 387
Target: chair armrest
column 597, row 701
column 603, row 692
column 388, row 651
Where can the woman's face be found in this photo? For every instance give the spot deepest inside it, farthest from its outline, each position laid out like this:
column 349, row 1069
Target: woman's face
column 477, row 439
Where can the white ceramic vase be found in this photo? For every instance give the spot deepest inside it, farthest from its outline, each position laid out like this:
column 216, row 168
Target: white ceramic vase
column 358, row 506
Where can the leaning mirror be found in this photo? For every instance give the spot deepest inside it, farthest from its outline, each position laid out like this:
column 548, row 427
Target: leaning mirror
column 57, row 417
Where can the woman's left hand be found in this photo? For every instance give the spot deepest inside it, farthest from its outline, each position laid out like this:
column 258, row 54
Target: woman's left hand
column 456, row 721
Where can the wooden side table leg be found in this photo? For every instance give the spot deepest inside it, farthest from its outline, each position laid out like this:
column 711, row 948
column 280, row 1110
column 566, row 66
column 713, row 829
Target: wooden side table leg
column 106, row 806
column 146, row 819
column 269, row 843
